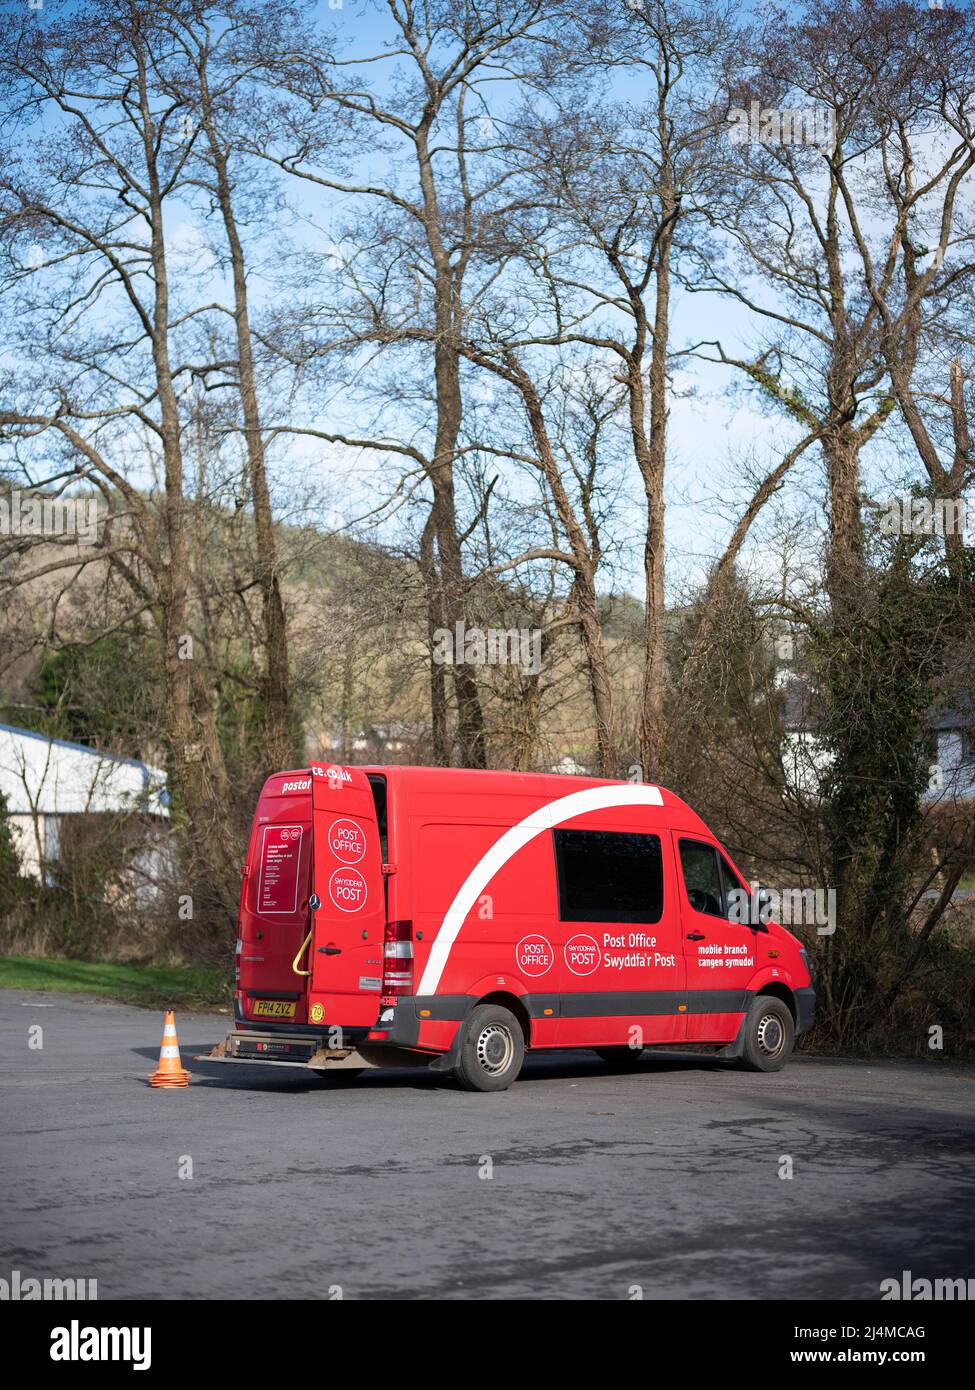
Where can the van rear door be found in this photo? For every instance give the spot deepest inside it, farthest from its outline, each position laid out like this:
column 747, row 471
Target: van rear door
column 346, row 951
column 273, row 918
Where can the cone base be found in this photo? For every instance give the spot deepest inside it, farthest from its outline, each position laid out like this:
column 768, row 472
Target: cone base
column 170, row 1078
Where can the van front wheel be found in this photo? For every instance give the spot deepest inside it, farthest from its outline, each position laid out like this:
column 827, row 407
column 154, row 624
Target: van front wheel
column 492, row 1050
column 770, row 1032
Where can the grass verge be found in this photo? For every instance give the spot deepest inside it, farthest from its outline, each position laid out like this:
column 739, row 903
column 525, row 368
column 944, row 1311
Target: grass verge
column 151, row 986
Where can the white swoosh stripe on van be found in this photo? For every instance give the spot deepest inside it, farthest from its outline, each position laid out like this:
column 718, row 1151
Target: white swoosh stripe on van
column 545, row 818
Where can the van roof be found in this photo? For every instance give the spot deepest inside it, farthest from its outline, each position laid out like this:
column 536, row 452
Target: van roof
column 548, row 785
column 431, row 782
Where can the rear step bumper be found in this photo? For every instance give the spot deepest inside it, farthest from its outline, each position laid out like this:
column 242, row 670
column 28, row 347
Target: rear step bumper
column 300, row 1050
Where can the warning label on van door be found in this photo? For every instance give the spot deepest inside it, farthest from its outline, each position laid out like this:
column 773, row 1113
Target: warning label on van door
column 277, row 889
column 347, row 889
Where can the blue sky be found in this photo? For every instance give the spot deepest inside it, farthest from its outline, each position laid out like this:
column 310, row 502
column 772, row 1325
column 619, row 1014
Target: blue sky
column 714, row 433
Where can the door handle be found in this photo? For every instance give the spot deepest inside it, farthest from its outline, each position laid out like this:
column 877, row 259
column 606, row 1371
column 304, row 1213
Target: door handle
column 330, row 950
column 695, row 936
column 301, row 951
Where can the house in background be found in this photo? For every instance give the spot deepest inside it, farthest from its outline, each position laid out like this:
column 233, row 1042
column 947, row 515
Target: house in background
column 953, row 769
column 805, row 760
column 47, row 783
column 568, row 766
column 395, row 742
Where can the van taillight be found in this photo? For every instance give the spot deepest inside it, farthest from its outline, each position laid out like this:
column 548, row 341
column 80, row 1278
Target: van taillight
column 397, row 961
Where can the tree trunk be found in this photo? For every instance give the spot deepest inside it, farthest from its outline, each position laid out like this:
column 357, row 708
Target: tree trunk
column 584, row 585
column 449, row 403
column 651, row 459
column 198, row 769
column 435, row 621
column 280, row 748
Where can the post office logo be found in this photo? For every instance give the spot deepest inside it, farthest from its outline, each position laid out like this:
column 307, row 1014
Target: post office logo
column 582, row 954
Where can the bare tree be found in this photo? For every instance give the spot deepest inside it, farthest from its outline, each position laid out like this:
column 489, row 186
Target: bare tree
column 433, row 123
column 208, row 67
column 854, row 142
column 629, row 185
column 576, row 543
column 85, row 248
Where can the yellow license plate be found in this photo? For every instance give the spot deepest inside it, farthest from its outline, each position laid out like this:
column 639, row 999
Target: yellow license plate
column 274, row 1008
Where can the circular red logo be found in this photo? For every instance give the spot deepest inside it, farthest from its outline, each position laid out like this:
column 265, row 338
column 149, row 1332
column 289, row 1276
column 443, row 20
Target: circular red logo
column 347, row 889
column 534, row 955
column 581, row 954
column 347, row 841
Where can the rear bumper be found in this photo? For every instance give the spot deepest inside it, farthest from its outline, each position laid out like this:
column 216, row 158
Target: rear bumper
column 283, row 1049
column 262, row 1045
column 401, row 1025
column 413, row 1014
column 805, row 1009
column 295, row 1030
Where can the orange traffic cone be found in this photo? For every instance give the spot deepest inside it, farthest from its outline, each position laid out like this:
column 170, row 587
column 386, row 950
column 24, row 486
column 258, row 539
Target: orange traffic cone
column 170, row 1071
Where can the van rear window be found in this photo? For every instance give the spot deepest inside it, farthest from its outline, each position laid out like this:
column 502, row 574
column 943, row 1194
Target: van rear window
column 609, row 876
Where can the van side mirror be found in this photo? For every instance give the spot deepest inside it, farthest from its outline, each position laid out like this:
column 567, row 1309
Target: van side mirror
column 750, row 909
column 762, row 908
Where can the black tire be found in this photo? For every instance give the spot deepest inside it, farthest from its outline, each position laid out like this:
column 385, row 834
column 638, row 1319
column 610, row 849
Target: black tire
column 492, row 1050
column 770, row 1033
column 621, row 1057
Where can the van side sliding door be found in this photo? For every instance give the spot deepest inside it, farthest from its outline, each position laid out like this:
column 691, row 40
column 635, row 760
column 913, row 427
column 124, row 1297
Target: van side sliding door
column 620, row 927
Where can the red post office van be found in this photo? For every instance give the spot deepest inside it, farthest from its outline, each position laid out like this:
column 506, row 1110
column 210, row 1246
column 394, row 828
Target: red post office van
column 401, row 914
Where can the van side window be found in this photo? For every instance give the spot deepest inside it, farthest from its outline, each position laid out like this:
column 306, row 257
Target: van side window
column 702, row 877
column 607, row 876
column 736, row 894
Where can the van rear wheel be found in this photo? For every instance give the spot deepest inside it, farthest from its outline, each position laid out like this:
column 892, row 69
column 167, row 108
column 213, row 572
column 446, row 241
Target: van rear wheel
column 770, row 1033
column 492, row 1050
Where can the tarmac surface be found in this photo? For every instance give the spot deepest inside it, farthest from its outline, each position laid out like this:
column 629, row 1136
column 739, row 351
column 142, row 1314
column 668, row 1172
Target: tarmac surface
column 578, row 1182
